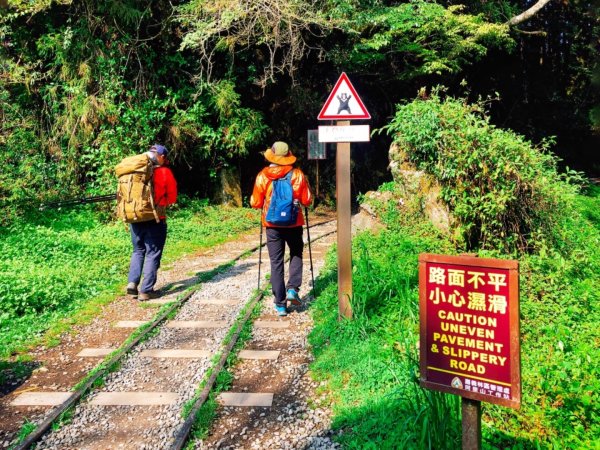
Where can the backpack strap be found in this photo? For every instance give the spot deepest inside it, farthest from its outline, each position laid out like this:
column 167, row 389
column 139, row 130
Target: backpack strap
column 151, row 186
column 288, row 176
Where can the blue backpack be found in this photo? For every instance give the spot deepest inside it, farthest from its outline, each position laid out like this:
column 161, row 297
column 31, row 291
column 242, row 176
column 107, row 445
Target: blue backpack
column 283, row 210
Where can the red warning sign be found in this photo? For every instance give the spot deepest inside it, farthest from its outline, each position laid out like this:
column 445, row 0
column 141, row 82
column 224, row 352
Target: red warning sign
column 343, row 103
column 469, row 311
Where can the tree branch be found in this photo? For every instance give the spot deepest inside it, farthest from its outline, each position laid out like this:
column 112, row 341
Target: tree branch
column 531, row 33
column 528, row 14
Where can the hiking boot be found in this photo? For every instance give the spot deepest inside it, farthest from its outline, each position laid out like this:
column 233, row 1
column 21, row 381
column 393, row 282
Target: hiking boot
column 293, row 297
column 132, row 289
column 281, row 310
column 144, row 296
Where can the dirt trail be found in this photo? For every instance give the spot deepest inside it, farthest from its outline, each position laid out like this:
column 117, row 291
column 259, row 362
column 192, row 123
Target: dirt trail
column 299, row 416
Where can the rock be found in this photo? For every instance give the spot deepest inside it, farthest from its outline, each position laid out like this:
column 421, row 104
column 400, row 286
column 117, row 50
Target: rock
column 419, row 189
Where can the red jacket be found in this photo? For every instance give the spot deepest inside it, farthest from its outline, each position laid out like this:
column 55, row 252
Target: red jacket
column 165, row 189
column 261, row 194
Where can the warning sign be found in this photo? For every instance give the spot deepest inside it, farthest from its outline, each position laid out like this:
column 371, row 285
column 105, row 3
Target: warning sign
column 469, row 311
column 343, row 103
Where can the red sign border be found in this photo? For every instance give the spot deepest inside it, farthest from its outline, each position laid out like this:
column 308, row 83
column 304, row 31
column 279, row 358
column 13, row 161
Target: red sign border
column 322, row 116
column 513, row 310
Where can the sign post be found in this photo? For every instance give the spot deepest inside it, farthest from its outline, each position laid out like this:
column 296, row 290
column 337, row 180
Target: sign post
column 471, row 424
column 469, row 338
column 342, row 105
column 344, row 225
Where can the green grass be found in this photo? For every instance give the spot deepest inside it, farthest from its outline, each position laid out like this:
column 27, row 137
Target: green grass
column 26, row 429
column 560, row 342
column 370, row 364
column 60, row 267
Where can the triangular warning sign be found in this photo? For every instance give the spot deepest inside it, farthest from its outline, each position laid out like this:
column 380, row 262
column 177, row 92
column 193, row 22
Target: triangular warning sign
column 343, row 103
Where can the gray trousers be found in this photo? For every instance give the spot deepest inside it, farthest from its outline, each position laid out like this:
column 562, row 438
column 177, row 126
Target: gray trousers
column 148, row 240
column 277, row 238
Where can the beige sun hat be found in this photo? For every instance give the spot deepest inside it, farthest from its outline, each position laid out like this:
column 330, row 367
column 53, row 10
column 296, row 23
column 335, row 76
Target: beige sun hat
column 280, row 154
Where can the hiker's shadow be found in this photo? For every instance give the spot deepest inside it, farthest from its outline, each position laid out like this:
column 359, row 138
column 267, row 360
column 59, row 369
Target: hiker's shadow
column 221, row 272
column 13, row 374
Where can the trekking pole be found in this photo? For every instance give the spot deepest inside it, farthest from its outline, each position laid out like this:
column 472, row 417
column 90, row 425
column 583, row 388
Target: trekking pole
column 312, row 275
column 260, row 252
column 78, row 201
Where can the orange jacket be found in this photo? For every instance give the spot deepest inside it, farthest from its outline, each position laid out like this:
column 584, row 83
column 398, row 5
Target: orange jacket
column 261, row 194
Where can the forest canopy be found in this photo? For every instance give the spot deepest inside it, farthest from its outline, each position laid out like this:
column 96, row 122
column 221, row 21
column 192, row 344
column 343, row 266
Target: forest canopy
column 84, row 83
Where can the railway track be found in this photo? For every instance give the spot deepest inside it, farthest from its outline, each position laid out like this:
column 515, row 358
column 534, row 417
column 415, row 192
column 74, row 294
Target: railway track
column 160, row 367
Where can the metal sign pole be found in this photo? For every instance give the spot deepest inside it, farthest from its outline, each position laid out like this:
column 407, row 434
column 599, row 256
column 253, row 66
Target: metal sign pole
column 344, row 225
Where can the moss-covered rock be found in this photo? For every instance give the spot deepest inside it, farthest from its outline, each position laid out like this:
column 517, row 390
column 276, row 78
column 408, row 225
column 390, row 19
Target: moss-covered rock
column 418, row 189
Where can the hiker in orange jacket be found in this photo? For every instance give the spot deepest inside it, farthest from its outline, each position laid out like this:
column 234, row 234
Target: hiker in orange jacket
column 278, row 236
column 148, row 238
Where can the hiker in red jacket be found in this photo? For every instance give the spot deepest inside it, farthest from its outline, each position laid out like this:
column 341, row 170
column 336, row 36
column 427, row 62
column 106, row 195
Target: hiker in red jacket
column 148, row 238
column 278, row 236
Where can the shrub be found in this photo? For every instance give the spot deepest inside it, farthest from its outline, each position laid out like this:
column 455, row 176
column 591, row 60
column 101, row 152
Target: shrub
column 505, row 192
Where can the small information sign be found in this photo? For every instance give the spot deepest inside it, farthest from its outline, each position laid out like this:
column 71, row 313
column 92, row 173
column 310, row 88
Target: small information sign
column 316, row 149
column 469, row 340
column 347, row 133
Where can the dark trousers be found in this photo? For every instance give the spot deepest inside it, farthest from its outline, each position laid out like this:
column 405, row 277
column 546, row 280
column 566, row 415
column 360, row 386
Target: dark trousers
column 277, row 238
column 148, row 239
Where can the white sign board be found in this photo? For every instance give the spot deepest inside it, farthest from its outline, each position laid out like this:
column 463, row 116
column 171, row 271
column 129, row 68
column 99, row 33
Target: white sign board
column 349, row 133
column 343, row 103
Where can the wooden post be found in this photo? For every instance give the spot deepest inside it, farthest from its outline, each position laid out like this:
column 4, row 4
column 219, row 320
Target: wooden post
column 471, row 414
column 349, row 106
column 344, row 227
column 471, row 424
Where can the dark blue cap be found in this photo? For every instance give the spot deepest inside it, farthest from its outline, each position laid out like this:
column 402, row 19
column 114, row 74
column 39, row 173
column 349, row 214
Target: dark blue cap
column 159, row 149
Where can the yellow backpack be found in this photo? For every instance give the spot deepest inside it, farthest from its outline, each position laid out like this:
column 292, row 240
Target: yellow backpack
column 135, row 193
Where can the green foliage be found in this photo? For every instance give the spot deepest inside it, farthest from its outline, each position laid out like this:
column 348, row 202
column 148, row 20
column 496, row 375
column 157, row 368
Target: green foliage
column 559, row 316
column 418, row 37
column 86, row 83
column 497, row 11
column 504, row 192
column 17, row 370
column 57, row 261
column 507, row 197
column 370, row 364
column 75, row 102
